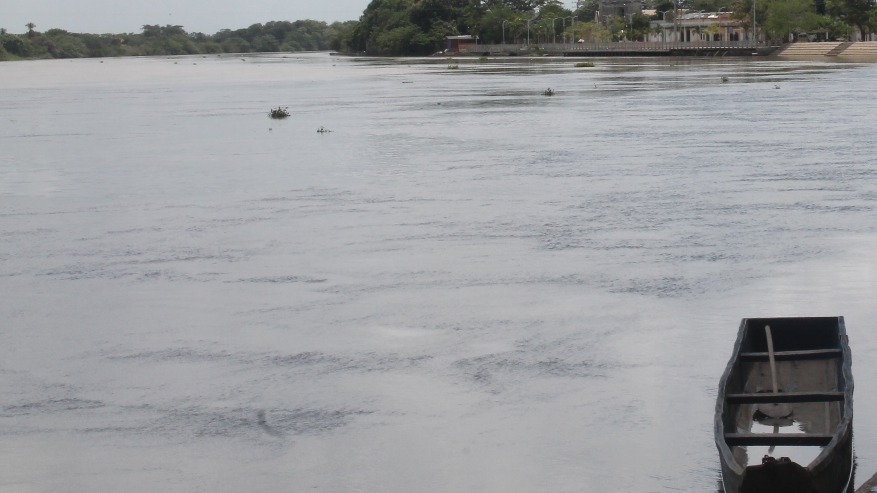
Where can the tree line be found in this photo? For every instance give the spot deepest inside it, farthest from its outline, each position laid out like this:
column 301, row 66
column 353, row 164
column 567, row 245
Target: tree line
column 419, row 27
column 303, row 35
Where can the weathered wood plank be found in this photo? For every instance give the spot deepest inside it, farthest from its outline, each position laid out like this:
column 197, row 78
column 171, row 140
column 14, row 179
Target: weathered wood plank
column 784, row 397
column 793, row 355
column 777, row 439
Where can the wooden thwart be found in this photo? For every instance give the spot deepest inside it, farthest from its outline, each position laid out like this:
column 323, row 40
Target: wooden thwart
column 784, row 397
column 793, row 355
column 777, row 439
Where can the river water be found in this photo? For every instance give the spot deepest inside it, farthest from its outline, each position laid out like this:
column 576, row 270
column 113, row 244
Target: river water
column 463, row 285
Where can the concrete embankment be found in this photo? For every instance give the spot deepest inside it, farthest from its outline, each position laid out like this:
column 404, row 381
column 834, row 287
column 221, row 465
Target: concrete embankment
column 839, row 50
column 861, row 50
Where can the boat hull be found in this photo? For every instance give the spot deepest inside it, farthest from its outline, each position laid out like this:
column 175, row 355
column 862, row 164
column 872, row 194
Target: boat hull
column 806, row 373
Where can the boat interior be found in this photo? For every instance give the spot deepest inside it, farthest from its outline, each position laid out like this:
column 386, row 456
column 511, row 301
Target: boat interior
column 788, row 404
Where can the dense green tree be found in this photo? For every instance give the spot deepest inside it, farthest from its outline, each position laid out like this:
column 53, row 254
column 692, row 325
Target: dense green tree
column 235, row 44
column 872, row 18
column 790, row 17
column 174, row 40
column 710, row 5
column 586, row 10
column 853, row 12
column 831, row 28
column 615, row 25
column 742, row 11
column 499, row 23
column 384, row 28
column 425, row 12
column 664, row 9
column 640, row 26
column 265, row 44
column 18, row 46
column 151, row 31
column 519, row 5
column 61, row 44
column 591, row 32
column 394, row 41
column 557, row 16
column 419, row 27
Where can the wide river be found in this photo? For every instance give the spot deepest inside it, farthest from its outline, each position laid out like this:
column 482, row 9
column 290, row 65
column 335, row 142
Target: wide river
column 464, row 285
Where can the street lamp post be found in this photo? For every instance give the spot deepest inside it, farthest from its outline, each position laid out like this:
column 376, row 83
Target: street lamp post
column 663, row 24
column 503, row 31
column 553, row 30
column 573, row 23
column 754, row 36
column 528, row 27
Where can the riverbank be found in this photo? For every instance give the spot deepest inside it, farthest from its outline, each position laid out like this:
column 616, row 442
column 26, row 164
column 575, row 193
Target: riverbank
column 625, row 49
column 853, row 51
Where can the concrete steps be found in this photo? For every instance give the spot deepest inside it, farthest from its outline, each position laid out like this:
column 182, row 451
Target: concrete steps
column 839, row 49
column 859, row 49
column 808, row 49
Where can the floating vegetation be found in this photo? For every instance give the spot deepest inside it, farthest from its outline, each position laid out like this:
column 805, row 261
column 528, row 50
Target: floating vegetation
column 323, row 130
column 453, row 67
column 483, row 59
column 549, row 92
column 724, row 78
column 584, row 64
column 279, row 112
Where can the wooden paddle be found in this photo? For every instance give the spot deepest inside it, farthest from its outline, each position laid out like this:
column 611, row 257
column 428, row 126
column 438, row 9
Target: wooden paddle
column 773, row 410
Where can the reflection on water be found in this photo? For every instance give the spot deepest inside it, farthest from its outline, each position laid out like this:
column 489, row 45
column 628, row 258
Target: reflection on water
column 465, row 286
column 800, row 455
column 784, row 425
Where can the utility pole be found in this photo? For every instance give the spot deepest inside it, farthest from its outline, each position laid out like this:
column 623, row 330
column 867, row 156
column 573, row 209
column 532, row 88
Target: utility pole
column 754, row 36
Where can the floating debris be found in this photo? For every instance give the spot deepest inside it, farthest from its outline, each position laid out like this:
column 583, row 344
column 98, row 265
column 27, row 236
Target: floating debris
column 584, row 64
column 279, row 112
column 262, row 421
column 724, row 78
column 549, row 92
column 323, row 130
column 453, row 67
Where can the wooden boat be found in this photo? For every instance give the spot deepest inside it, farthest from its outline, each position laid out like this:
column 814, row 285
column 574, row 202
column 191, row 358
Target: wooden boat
column 784, row 413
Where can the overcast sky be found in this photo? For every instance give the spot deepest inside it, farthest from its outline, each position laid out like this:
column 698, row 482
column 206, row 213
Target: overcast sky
column 206, row 16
